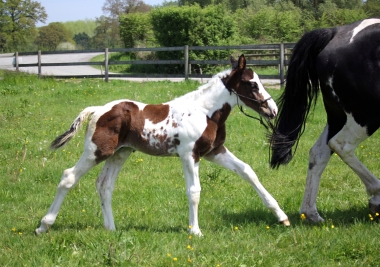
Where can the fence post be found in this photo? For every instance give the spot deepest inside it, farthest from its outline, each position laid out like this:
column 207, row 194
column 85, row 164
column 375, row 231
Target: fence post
column 106, row 65
column 39, row 63
column 16, row 61
column 282, row 63
column 186, row 62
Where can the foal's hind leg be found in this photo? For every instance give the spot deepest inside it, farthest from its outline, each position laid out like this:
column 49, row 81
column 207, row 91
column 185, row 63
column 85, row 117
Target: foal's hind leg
column 69, row 179
column 106, row 182
column 319, row 156
column 344, row 144
column 228, row 160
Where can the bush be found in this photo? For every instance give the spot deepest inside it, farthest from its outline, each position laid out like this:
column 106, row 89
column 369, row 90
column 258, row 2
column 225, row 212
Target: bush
column 193, row 26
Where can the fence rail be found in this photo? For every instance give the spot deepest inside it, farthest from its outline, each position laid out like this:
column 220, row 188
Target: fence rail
column 277, row 52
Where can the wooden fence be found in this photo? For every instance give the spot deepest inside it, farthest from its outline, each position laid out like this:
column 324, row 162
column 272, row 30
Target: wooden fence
column 273, row 54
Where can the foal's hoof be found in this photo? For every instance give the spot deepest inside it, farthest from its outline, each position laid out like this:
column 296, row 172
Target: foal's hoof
column 285, row 222
column 374, row 208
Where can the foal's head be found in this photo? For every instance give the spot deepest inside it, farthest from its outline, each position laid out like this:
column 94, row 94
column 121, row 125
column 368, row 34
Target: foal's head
column 248, row 88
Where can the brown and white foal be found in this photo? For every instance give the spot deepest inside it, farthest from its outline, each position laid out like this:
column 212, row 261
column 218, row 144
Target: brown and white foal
column 191, row 127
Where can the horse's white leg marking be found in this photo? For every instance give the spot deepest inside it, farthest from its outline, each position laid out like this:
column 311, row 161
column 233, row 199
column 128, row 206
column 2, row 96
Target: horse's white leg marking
column 319, row 156
column 364, row 24
column 231, row 162
column 344, row 144
column 193, row 191
column 106, row 182
column 69, row 179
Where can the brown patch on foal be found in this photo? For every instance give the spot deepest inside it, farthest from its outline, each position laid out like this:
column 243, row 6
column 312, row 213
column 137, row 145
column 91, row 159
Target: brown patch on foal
column 156, row 113
column 214, row 135
column 125, row 122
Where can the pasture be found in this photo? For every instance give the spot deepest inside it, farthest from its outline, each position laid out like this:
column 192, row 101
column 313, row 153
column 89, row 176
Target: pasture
column 149, row 201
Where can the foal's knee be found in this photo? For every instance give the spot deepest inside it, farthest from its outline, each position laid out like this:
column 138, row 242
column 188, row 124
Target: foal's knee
column 68, row 179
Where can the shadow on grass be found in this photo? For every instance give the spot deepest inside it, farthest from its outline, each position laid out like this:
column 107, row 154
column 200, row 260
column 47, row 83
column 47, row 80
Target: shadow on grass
column 81, row 226
column 347, row 217
column 258, row 216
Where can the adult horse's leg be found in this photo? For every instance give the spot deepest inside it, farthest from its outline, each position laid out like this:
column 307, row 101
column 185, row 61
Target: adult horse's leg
column 344, row 144
column 69, row 179
column 193, row 191
column 228, row 160
column 319, row 156
column 106, row 182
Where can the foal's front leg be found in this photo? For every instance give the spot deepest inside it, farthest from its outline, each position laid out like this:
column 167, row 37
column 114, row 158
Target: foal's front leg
column 193, row 191
column 228, row 160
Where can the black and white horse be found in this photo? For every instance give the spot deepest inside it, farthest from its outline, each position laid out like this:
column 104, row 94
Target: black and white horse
column 190, row 127
column 344, row 64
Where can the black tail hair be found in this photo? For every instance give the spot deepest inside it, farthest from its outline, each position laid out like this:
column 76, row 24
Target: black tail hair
column 301, row 91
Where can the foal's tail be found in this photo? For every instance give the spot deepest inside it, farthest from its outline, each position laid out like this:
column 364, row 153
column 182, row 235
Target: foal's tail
column 301, row 91
column 64, row 138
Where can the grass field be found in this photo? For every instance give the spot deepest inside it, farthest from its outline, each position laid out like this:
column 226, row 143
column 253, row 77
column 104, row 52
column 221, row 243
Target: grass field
column 149, row 201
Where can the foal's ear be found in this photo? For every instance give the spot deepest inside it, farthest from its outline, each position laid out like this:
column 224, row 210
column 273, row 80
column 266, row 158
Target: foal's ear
column 242, row 62
column 234, row 63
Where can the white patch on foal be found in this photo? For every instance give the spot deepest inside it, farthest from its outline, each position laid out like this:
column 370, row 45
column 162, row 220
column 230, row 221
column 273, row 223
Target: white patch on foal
column 271, row 104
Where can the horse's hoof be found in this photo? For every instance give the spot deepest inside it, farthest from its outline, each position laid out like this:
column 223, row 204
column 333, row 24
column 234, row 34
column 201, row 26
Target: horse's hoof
column 286, row 222
column 374, row 208
column 313, row 218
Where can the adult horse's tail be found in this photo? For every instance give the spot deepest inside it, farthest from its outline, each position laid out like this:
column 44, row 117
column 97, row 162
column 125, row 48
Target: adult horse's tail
column 64, row 138
column 301, row 91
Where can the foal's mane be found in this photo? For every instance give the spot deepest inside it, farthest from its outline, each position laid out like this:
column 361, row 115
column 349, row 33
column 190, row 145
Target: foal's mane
column 194, row 95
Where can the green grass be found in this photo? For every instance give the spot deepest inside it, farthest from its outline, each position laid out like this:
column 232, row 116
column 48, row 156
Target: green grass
column 150, row 204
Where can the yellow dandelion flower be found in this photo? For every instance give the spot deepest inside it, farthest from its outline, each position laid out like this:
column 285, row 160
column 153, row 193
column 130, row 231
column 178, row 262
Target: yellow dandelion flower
column 370, row 215
column 371, row 219
column 189, row 260
column 332, row 226
column 377, row 214
column 303, row 216
column 13, row 229
column 190, row 237
column 20, row 233
column 169, row 255
column 175, row 259
column 188, row 246
column 268, row 227
column 190, row 226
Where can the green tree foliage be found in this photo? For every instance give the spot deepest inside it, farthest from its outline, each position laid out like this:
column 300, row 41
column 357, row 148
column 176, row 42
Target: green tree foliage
column 115, row 8
column 82, row 40
column 18, row 20
column 50, row 36
column 106, row 33
column 87, row 26
column 193, row 26
column 135, row 27
column 372, row 7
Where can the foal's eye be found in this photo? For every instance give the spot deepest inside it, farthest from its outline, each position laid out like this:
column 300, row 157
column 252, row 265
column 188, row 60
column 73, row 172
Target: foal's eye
column 254, row 86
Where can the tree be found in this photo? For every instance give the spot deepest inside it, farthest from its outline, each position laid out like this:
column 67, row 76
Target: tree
column 115, row 8
column 106, row 33
column 18, row 21
column 82, row 39
column 135, row 27
column 372, row 7
column 49, row 37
